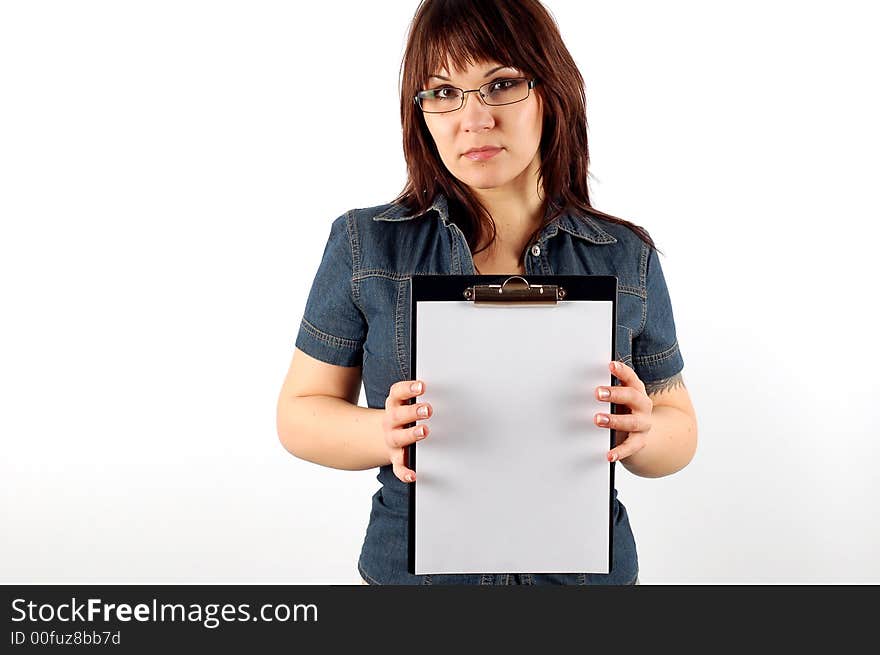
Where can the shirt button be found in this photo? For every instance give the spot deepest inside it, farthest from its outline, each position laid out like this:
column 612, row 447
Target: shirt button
column 536, row 250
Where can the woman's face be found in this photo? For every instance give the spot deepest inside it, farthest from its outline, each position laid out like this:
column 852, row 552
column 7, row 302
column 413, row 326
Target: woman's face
column 514, row 128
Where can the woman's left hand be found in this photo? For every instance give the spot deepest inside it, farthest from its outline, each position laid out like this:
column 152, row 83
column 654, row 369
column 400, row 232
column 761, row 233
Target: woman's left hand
column 637, row 421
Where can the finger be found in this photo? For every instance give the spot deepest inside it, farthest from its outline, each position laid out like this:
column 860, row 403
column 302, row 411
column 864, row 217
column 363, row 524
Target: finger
column 398, row 458
column 398, row 465
column 411, row 413
column 404, row 474
column 630, row 397
column 633, row 444
column 406, row 436
column 402, row 391
column 404, row 415
column 635, row 422
column 408, row 389
column 626, row 375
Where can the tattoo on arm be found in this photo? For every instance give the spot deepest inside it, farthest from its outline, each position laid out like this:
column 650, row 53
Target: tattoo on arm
column 664, row 385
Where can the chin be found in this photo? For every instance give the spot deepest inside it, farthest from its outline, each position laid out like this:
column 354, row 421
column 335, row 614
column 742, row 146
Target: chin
column 489, row 180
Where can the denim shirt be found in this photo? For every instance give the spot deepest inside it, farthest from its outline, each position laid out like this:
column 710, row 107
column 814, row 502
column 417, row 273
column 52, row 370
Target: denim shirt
column 358, row 314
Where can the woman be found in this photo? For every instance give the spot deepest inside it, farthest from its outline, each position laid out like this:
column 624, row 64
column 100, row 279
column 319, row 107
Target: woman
column 495, row 139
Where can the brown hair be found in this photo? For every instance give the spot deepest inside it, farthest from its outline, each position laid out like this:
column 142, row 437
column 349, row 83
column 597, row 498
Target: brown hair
column 518, row 33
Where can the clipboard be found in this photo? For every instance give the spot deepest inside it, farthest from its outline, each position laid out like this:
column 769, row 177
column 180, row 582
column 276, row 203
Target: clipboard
column 512, row 477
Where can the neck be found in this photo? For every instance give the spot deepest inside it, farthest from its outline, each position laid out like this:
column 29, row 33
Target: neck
column 517, row 210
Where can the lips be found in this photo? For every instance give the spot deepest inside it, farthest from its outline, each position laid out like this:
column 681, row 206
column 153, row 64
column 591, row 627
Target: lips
column 482, row 154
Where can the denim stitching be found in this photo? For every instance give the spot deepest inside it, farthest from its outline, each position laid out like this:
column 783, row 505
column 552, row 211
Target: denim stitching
column 381, row 272
column 582, row 578
column 643, row 281
column 340, row 342
column 355, row 248
column 527, row 578
column 551, row 232
column 658, row 357
column 486, row 579
column 398, row 330
column 632, row 291
column 427, row 580
column 603, row 237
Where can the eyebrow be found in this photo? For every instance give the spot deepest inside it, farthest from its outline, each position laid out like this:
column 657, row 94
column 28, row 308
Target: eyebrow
column 488, row 73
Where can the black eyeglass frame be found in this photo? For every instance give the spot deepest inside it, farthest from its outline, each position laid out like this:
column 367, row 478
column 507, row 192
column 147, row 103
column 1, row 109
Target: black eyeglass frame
column 533, row 82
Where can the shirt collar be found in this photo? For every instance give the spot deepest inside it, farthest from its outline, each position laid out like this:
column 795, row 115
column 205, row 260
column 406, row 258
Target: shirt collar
column 576, row 224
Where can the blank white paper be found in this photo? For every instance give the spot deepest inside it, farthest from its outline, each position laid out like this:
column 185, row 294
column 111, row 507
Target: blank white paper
column 513, row 475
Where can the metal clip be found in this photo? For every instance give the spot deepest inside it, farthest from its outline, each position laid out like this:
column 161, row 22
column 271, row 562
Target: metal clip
column 515, row 289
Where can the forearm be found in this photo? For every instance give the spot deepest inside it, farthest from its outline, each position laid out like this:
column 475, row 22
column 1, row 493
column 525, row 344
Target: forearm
column 333, row 432
column 670, row 444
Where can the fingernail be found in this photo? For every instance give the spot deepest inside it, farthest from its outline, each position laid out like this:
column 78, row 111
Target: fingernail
column 411, row 477
column 614, row 365
column 603, row 420
column 422, row 411
column 604, row 393
column 415, row 387
column 612, row 457
column 420, row 431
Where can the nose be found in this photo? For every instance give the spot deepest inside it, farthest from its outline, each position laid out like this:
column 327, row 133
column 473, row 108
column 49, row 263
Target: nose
column 476, row 115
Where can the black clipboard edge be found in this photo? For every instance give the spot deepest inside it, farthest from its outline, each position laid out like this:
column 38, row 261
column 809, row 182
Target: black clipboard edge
column 451, row 288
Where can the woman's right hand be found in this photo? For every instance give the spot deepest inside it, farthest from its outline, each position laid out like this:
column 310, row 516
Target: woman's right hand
column 397, row 414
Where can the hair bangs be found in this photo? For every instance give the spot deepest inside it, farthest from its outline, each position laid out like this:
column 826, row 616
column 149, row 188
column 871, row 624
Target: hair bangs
column 466, row 36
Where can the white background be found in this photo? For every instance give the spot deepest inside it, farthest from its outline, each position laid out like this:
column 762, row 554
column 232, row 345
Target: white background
column 168, row 175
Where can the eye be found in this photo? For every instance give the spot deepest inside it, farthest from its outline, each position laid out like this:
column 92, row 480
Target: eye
column 502, row 85
column 445, row 93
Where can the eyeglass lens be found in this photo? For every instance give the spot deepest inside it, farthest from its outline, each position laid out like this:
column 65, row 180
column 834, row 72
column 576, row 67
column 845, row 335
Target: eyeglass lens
column 498, row 92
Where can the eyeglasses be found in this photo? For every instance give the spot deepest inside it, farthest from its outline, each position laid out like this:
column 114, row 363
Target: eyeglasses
column 497, row 92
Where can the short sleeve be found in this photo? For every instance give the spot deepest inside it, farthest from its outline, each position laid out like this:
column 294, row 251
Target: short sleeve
column 333, row 329
column 656, row 355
